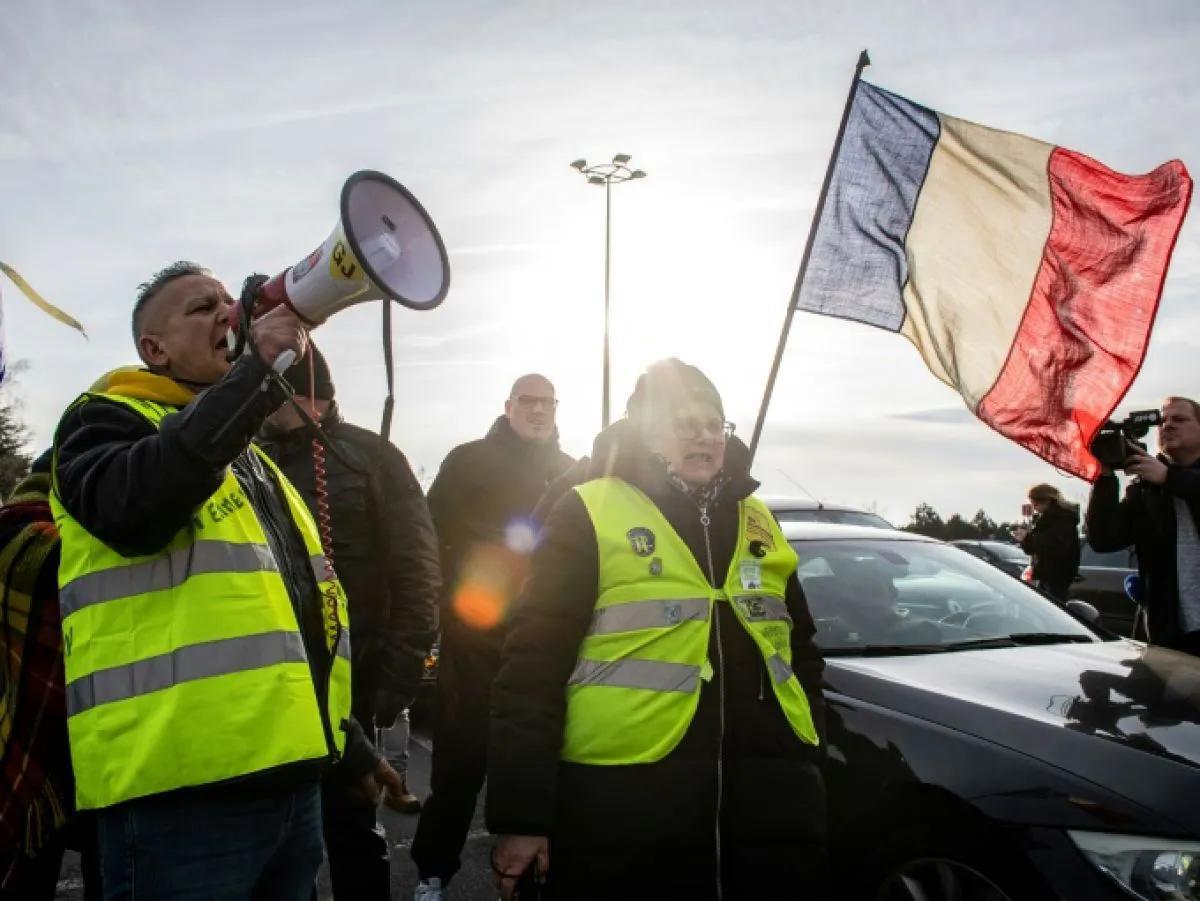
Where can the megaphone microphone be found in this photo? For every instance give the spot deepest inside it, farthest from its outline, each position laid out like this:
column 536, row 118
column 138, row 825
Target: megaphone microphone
column 384, row 247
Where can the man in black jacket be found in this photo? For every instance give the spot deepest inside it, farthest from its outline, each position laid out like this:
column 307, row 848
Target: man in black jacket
column 134, row 487
column 481, row 503
column 386, row 556
column 1159, row 517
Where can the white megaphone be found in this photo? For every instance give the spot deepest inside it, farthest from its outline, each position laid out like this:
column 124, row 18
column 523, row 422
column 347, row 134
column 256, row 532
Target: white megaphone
column 384, row 247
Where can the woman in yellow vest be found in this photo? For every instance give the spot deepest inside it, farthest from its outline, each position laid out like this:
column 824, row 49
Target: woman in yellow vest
column 657, row 717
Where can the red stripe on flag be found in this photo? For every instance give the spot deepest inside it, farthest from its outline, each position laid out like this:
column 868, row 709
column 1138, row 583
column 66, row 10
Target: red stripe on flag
column 1083, row 337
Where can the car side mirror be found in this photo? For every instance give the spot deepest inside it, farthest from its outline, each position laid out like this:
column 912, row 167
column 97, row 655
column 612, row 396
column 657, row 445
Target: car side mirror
column 1084, row 612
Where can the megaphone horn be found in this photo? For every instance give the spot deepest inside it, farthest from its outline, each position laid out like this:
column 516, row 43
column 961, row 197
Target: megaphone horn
column 384, row 247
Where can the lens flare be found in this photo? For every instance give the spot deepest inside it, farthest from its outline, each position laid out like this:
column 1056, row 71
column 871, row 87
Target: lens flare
column 479, row 606
column 491, row 577
column 521, row 536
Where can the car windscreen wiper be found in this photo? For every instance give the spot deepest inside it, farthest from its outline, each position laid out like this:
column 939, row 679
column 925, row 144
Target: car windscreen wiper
column 1016, row 639
column 883, row 650
column 1019, row 638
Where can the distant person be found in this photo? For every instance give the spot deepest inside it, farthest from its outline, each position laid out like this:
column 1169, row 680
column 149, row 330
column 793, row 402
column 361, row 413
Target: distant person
column 481, row 503
column 386, row 556
column 1053, row 542
column 1159, row 518
column 657, row 717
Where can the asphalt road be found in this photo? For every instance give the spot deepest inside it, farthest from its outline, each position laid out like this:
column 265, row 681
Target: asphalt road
column 473, row 882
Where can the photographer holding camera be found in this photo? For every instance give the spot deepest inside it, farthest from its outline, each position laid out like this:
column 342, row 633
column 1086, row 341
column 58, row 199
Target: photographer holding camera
column 1159, row 517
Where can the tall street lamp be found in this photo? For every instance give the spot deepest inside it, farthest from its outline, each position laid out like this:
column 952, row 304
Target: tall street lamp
column 607, row 174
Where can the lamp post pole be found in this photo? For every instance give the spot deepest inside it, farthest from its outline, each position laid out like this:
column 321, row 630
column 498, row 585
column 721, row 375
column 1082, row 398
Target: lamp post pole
column 607, row 174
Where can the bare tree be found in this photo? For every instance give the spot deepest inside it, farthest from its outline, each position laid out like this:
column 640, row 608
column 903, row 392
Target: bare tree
column 14, row 436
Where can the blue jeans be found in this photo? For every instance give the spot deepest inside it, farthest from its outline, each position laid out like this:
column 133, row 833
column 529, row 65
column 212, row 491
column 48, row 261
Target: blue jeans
column 213, row 845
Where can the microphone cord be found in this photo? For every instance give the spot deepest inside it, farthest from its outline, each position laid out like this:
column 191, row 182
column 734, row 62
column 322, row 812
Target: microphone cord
column 329, row 594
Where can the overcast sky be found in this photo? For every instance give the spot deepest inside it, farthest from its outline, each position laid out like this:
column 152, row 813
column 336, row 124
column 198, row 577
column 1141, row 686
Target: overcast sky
column 134, row 134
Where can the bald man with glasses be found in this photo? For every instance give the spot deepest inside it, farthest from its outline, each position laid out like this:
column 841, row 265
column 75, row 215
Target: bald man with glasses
column 482, row 503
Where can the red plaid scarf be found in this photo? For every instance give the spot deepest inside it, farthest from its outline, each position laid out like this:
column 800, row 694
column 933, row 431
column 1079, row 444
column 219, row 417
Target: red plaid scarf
column 35, row 777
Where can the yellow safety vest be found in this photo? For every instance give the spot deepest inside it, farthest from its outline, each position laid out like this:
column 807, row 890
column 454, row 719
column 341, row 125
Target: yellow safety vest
column 636, row 686
column 187, row 666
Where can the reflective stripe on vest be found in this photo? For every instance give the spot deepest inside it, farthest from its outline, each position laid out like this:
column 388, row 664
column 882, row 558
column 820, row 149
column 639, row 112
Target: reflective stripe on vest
column 197, row 661
column 780, row 669
column 648, row 615
column 637, row 681
column 188, row 667
column 171, row 571
column 653, row 675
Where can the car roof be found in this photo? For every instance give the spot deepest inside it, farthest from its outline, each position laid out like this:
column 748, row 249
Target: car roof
column 782, row 502
column 828, row 531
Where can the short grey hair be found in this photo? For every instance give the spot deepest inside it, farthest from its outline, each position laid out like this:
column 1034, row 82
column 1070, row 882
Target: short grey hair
column 149, row 289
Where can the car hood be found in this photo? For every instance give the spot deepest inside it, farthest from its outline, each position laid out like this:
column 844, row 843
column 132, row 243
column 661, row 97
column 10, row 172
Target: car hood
column 1117, row 713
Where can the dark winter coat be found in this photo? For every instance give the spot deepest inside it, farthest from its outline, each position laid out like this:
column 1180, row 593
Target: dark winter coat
column 384, row 551
column 646, row 829
column 1053, row 543
column 482, row 487
column 134, row 486
column 1145, row 519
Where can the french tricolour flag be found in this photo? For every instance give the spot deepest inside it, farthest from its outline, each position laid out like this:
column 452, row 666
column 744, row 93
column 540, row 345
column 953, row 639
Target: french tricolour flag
column 1027, row 275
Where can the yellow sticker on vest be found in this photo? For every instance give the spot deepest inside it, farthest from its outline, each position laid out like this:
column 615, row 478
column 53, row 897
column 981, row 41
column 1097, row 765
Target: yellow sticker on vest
column 757, row 530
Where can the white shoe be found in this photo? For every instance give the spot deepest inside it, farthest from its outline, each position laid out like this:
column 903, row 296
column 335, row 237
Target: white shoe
column 428, row 890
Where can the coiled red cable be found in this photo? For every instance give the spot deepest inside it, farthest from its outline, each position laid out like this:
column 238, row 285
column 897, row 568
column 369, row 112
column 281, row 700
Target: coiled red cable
column 329, row 596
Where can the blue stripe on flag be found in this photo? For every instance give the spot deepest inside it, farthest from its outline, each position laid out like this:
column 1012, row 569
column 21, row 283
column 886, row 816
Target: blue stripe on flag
column 857, row 269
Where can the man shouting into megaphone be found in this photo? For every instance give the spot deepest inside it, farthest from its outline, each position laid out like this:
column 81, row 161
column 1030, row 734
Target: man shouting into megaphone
column 205, row 641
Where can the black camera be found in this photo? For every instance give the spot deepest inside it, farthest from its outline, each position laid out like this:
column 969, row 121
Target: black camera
column 1112, row 444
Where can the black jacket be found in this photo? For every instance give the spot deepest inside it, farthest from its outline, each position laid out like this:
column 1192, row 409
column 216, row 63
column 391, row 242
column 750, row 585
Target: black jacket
column 482, row 487
column 384, row 551
column 772, row 792
column 1145, row 519
column 1053, row 543
column 134, row 487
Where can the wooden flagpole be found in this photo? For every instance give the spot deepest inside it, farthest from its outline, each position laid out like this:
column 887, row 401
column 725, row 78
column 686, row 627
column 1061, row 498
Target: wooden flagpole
column 863, row 62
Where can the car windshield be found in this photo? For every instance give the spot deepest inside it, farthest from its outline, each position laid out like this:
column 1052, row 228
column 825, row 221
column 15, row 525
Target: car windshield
column 841, row 517
column 885, row 596
column 1006, row 551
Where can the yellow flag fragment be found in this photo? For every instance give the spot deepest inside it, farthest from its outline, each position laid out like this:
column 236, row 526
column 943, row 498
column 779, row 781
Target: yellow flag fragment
column 40, row 302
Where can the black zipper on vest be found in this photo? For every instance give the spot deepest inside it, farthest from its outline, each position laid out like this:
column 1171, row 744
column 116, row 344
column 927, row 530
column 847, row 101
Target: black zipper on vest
column 705, row 522
column 276, row 541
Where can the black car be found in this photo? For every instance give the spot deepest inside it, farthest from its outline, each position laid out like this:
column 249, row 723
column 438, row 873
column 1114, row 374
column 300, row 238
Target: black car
column 1101, row 582
column 1007, row 557
column 984, row 744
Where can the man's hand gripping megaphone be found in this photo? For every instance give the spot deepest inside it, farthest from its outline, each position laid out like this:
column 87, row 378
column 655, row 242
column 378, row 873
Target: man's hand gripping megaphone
column 278, row 336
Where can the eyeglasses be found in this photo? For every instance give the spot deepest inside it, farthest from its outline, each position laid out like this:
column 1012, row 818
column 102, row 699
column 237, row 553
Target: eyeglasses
column 532, row 402
column 689, row 428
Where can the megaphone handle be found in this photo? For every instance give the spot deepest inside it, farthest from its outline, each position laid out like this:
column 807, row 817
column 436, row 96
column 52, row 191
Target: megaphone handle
column 284, row 361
